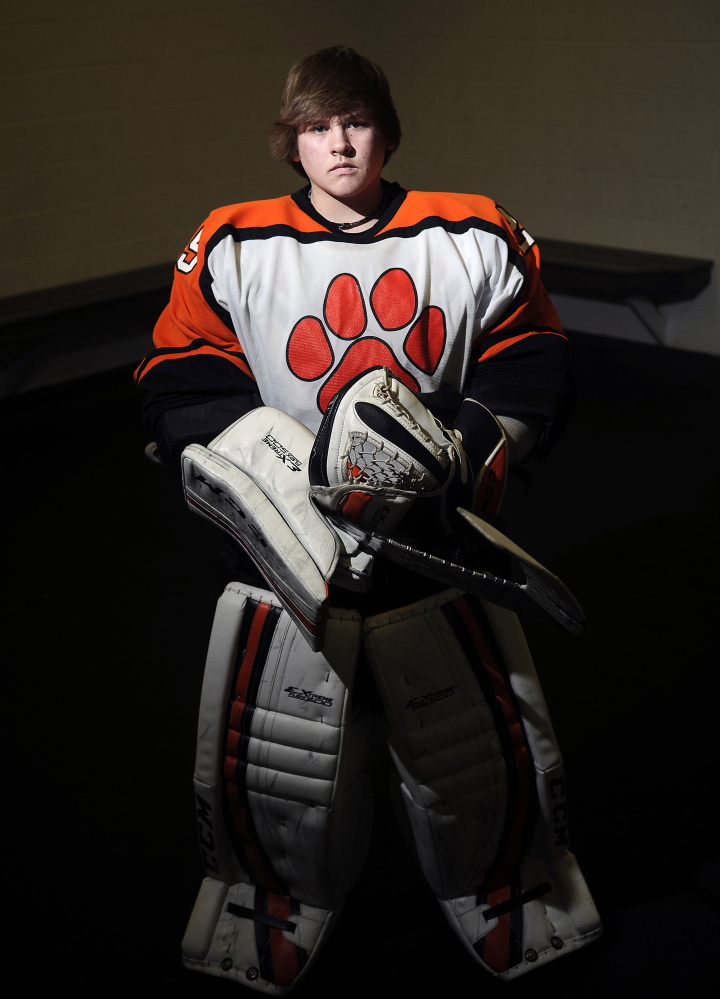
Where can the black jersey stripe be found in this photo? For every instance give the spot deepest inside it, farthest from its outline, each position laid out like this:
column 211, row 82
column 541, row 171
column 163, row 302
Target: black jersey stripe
column 250, row 233
column 457, row 227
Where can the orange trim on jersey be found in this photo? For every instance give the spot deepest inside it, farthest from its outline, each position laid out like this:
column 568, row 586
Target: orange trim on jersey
column 260, row 215
column 205, row 349
column 416, row 205
column 419, row 205
column 499, row 347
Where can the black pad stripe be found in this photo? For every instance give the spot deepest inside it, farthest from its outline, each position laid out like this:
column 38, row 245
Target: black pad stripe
column 262, row 937
column 257, row 873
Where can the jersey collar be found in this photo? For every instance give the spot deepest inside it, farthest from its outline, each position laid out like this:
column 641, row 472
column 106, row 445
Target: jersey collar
column 395, row 195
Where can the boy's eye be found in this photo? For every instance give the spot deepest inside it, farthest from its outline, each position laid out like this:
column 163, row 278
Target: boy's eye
column 320, row 128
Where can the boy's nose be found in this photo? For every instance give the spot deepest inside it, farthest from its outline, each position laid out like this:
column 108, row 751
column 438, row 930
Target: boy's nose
column 341, row 139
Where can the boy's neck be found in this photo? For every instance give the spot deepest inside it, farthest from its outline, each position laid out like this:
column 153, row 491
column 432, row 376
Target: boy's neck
column 357, row 213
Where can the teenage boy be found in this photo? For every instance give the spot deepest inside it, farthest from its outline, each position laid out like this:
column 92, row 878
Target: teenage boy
column 349, row 307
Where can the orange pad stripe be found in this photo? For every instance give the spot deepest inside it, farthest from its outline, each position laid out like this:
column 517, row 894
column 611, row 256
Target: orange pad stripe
column 523, row 761
column 496, row 944
column 284, row 953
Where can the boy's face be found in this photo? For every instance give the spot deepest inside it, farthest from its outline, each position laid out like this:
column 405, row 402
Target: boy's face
column 342, row 157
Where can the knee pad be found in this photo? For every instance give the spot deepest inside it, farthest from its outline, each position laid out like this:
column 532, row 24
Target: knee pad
column 480, row 776
column 283, row 806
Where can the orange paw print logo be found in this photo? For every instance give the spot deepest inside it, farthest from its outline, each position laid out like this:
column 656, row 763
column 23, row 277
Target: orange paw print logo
column 393, row 304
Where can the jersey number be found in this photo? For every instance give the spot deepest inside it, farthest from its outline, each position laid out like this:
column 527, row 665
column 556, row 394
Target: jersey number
column 188, row 258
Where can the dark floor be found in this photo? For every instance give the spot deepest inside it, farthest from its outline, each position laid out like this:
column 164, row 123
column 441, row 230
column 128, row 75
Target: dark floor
column 111, row 601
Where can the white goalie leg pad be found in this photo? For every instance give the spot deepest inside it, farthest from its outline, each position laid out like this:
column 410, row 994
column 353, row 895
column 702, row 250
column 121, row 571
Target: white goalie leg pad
column 481, row 779
column 283, row 806
column 252, row 481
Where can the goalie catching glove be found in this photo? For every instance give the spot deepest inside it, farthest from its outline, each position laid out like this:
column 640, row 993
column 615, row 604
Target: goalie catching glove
column 380, row 452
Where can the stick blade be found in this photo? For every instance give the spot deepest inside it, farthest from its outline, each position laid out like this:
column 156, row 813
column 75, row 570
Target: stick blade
column 542, row 595
column 544, row 589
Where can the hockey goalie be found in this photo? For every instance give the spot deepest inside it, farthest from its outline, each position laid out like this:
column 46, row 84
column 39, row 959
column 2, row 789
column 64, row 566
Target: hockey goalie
column 343, row 377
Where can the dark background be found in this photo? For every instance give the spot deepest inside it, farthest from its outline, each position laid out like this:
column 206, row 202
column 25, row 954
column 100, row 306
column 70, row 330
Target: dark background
column 111, row 598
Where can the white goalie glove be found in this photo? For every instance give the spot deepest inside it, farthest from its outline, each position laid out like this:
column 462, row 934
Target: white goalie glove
column 380, row 451
column 252, row 481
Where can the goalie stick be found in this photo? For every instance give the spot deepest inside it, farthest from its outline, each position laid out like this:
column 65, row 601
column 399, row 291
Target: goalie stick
column 542, row 596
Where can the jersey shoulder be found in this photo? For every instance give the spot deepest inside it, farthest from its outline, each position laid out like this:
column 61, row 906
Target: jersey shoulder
column 255, row 215
column 460, row 212
column 451, row 207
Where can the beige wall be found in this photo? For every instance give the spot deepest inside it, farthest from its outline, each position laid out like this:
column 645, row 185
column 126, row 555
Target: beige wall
column 123, row 124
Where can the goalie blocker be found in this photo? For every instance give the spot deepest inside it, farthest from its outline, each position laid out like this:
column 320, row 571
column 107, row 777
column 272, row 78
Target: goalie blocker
column 252, row 481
